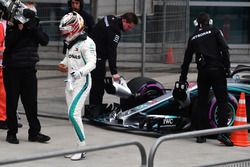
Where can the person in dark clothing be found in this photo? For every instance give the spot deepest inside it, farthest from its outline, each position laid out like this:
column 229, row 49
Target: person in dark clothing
column 77, row 6
column 213, row 63
column 106, row 35
column 19, row 74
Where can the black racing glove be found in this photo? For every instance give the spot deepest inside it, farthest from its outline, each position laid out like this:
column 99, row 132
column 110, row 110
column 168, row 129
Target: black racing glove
column 179, row 92
column 108, row 85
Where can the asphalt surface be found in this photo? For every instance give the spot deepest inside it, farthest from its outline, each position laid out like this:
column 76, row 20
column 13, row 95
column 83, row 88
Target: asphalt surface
column 53, row 117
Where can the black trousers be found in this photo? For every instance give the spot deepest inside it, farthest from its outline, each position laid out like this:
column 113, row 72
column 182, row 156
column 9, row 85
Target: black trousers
column 97, row 89
column 21, row 82
column 216, row 79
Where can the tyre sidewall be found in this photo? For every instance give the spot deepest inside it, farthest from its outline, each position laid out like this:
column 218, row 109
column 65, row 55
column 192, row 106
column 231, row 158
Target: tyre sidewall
column 213, row 107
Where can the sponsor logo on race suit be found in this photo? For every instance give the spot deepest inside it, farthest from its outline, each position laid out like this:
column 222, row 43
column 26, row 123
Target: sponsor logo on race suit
column 75, row 56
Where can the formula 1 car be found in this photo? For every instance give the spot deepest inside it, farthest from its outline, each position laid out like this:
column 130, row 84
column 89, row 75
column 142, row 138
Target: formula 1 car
column 146, row 105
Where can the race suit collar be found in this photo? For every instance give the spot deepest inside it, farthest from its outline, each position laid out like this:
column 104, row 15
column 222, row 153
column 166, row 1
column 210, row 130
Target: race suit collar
column 81, row 37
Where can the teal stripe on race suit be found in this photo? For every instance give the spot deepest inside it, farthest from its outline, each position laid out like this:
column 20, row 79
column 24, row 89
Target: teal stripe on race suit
column 80, row 135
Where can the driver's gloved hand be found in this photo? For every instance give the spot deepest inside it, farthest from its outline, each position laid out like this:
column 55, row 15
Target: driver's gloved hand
column 179, row 92
column 227, row 72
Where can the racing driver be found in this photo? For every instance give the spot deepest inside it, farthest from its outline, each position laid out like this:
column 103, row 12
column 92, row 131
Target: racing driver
column 79, row 61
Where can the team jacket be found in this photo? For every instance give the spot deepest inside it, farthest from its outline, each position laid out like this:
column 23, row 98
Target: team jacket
column 81, row 56
column 1, row 43
column 21, row 46
column 207, row 43
column 106, row 35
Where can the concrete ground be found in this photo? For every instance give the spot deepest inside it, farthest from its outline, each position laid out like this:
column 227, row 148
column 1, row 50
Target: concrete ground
column 53, row 117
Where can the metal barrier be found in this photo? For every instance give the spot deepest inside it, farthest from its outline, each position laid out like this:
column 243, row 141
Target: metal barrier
column 188, row 135
column 71, row 151
column 241, row 163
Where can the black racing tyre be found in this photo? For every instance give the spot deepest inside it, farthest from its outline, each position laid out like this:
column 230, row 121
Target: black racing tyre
column 213, row 110
column 212, row 117
column 145, row 89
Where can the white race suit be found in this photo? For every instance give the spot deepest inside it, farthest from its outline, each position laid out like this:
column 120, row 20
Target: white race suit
column 81, row 57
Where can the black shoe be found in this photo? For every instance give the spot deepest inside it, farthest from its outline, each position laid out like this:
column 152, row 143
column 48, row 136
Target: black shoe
column 224, row 138
column 12, row 139
column 39, row 138
column 3, row 125
column 201, row 139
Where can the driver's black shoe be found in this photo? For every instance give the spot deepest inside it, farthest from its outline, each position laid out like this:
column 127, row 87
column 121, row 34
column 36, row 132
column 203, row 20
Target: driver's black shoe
column 201, row 139
column 224, row 138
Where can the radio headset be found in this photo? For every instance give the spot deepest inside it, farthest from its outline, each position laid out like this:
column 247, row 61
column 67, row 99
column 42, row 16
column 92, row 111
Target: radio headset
column 196, row 22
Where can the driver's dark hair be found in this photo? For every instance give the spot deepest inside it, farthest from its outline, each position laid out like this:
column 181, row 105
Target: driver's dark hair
column 203, row 19
column 130, row 17
column 81, row 4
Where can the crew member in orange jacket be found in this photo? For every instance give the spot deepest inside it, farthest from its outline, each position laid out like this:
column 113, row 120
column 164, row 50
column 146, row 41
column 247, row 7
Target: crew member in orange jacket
column 2, row 90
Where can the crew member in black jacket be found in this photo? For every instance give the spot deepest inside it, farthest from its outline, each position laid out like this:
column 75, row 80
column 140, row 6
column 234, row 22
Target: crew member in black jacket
column 19, row 73
column 212, row 58
column 106, row 35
